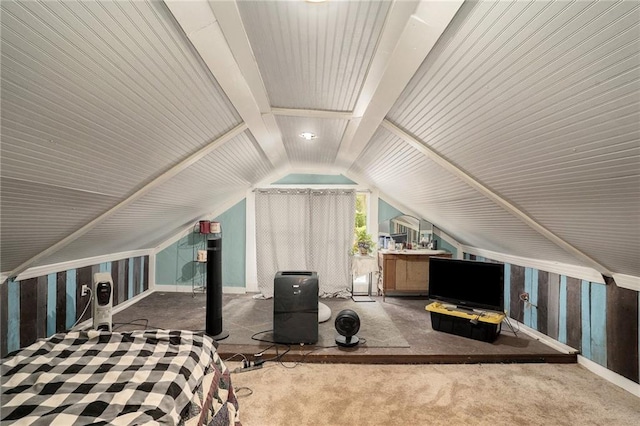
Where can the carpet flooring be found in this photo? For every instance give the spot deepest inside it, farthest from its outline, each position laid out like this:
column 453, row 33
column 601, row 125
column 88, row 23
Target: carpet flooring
column 478, row 394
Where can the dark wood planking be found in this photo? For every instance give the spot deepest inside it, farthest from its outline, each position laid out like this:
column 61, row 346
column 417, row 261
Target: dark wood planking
column 28, row 318
column 543, row 298
column 84, row 276
column 41, row 311
column 34, row 297
column 126, row 280
column 553, row 305
column 61, row 301
column 114, row 277
column 137, row 267
column 622, row 331
column 516, row 310
column 122, row 280
column 146, row 274
column 574, row 313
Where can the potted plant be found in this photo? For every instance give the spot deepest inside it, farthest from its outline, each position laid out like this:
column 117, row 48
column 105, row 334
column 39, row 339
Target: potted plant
column 363, row 242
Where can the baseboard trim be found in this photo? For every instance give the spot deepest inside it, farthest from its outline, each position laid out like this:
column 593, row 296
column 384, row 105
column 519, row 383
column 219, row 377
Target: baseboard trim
column 38, row 271
column 559, row 346
column 613, row 377
column 175, row 288
column 234, row 290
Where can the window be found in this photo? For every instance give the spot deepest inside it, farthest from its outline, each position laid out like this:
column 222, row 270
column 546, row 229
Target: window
column 361, row 211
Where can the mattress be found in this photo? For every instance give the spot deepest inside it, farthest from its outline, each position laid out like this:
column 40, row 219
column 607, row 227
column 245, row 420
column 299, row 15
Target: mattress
column 169, row 377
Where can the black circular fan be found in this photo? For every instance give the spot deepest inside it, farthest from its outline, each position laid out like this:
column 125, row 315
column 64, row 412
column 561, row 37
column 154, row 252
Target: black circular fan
column 347, row 325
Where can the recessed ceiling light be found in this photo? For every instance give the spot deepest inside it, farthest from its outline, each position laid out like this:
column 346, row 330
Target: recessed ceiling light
column 316, row 1
column 307, row 136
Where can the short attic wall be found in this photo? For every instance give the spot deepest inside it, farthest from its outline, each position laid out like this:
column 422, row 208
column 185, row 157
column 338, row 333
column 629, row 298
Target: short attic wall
column 42, row 306
column 600, row 321
column 177, row 270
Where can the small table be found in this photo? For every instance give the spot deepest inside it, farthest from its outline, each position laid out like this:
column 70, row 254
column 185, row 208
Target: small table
column 363, row 265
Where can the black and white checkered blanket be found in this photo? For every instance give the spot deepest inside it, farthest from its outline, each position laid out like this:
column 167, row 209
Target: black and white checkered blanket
column 139, row 377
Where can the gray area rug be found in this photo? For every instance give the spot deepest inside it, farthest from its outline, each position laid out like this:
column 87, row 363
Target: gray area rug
column 243, row 317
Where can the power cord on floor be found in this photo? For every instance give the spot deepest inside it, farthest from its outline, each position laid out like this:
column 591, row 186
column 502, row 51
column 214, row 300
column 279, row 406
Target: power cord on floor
column 279, row 356
column 245, row 360
column 297, row 363
column 508, row 321
column 273, row 344
column 262, row 340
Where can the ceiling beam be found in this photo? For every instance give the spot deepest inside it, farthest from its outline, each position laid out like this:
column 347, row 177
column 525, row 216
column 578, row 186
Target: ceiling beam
column 312, row 113
column 409, row 34
column 164, row 177
column 493, row 196
column 220, row 40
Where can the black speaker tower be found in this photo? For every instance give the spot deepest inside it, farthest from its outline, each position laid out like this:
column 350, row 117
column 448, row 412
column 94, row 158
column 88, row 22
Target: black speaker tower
column 214, row 290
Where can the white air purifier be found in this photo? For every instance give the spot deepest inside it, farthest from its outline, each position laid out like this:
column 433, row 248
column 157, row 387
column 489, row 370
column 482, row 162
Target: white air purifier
column 102, row 301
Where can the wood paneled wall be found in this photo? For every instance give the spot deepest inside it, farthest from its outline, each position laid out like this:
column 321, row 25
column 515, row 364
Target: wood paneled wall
column 600, row 320
column 40, row 307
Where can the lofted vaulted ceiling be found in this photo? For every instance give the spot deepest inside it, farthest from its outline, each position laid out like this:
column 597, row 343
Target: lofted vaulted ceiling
column 513, row 126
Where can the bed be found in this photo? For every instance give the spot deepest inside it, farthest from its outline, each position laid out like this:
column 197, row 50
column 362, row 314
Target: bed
column 166, row 377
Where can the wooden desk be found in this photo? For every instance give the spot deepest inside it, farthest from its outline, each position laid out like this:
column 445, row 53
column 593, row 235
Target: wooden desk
column 405, row 272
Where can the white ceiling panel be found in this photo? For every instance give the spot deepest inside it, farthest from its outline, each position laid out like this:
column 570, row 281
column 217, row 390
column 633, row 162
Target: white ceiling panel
column 100, row 96
column 98, row 99
column 35, row 216
column 234, row 166
column 134, row 227
column 313, row 56
column 540, row 101
column 320, row 151
column 189, row 196
column 405, row 174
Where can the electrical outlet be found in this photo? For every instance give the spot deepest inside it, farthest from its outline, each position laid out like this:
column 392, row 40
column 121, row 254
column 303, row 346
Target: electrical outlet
column 85, row 290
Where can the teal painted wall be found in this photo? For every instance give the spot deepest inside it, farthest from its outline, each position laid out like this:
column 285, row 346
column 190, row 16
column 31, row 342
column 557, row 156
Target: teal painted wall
column 445, row 245
column 234, row 245
column 386, row 211
column 175, row 264
column 305, row 179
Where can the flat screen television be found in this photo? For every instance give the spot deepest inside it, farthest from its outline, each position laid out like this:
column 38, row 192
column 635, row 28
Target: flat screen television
column 467, row 283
